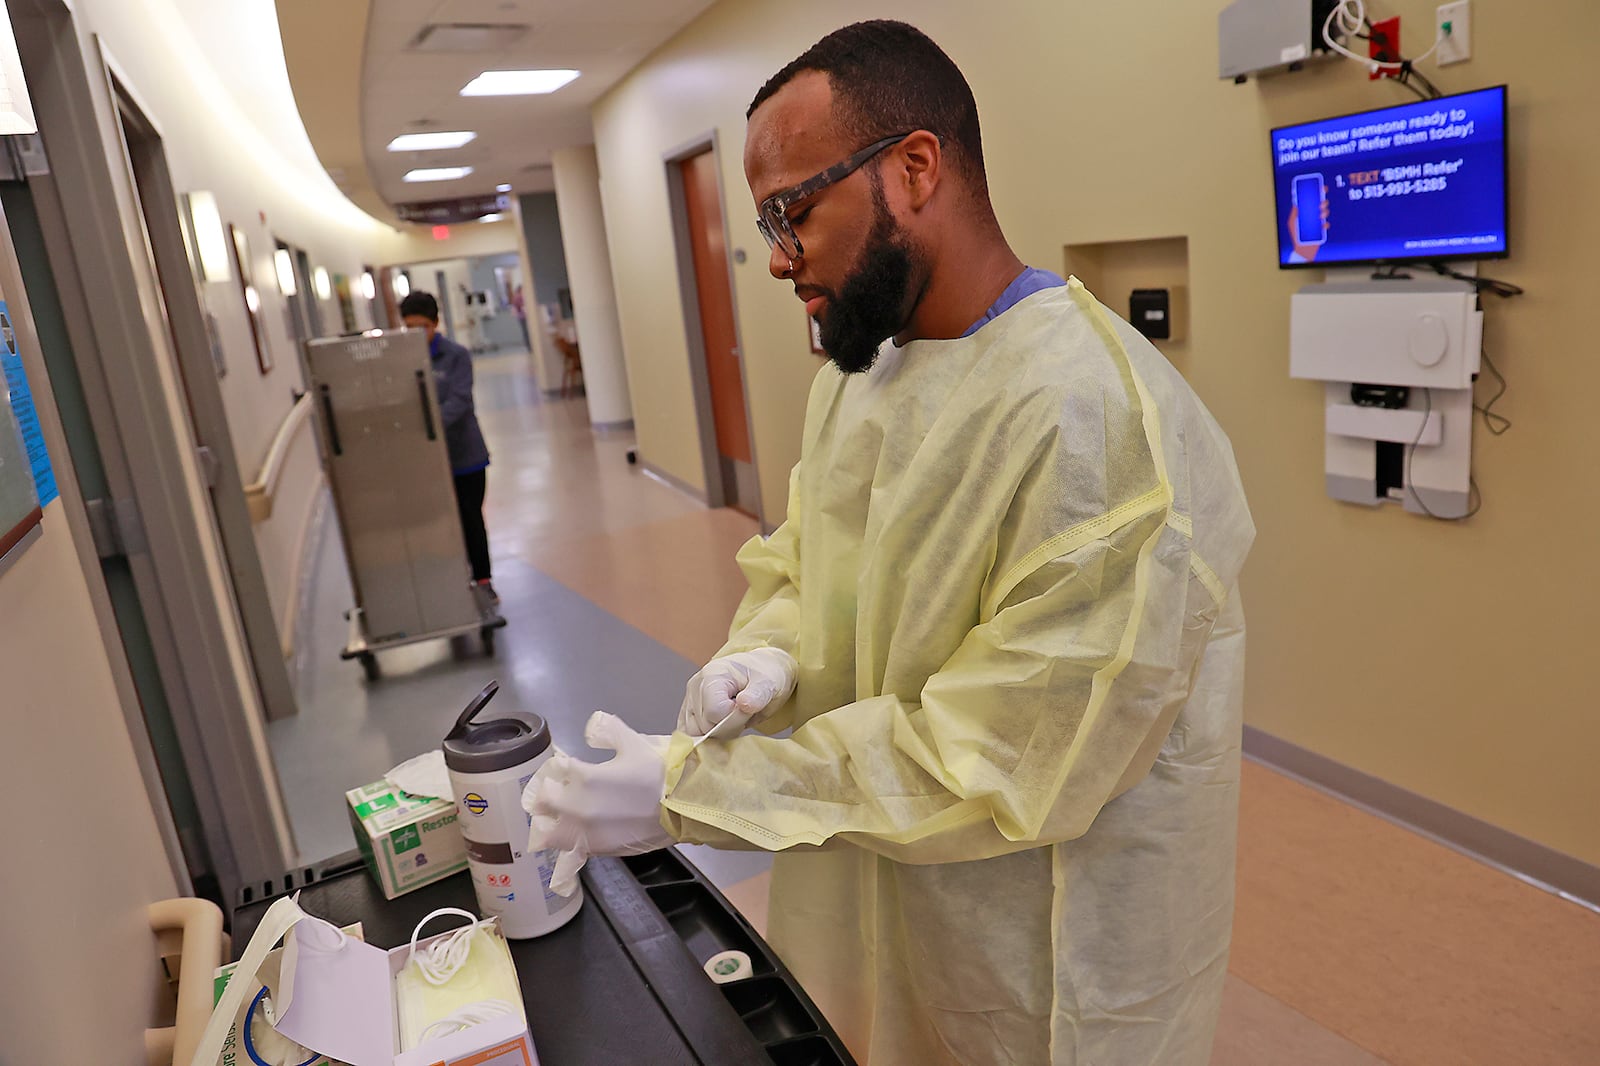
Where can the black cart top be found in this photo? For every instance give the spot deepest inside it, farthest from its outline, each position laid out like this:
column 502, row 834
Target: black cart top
column 622, row 981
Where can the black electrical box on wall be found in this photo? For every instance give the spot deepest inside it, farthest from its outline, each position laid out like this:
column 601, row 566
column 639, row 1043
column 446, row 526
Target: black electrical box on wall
column 1150, row 312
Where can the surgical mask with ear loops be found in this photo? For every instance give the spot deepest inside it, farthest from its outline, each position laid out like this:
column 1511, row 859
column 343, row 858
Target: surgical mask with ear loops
column 455, row 981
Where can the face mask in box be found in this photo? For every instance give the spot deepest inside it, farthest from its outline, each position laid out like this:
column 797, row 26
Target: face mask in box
column 252, row 1040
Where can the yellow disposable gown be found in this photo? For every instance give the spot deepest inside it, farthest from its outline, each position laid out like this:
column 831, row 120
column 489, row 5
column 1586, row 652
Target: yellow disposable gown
column 1005, row 817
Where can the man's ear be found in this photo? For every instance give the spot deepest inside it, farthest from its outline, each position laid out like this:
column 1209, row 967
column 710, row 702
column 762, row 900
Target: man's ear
column 923, row 159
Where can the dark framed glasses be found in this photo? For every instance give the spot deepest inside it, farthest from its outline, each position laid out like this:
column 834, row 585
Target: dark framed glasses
column 773, row 217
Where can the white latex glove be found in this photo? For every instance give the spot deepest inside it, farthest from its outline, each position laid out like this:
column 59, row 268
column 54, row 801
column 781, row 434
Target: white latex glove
column 748, row 685
column 609, row 808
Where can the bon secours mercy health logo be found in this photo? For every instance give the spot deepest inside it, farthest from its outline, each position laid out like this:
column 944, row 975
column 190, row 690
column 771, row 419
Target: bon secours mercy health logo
column 475, row 803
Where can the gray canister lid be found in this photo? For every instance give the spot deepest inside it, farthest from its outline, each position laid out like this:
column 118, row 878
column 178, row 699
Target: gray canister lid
column 481, row 747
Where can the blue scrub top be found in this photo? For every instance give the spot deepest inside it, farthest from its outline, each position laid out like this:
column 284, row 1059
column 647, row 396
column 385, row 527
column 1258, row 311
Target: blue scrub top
column 1030, row 281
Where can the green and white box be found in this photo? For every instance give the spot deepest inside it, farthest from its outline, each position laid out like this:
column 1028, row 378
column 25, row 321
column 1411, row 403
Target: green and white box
column 408, row 841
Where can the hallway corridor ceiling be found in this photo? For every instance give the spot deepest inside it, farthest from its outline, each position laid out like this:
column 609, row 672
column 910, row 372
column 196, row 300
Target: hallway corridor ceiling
column 367, row 71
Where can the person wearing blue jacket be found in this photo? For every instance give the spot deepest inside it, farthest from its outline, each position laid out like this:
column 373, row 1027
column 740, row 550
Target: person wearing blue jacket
column 469, row 455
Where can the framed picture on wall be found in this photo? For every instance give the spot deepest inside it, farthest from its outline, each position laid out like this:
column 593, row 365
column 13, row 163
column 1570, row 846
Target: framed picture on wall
column 815, row 329
column 252, row 298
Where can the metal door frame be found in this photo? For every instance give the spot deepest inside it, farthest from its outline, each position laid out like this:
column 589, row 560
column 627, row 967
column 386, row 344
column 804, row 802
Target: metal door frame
column 299, row 320
column 304, row 278
column 688, row 292
column 125, row 353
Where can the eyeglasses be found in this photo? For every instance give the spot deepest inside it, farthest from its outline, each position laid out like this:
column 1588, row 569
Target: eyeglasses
column 773, row 217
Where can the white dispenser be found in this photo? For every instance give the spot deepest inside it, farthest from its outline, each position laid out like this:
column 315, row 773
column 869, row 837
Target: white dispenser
column 489, row 763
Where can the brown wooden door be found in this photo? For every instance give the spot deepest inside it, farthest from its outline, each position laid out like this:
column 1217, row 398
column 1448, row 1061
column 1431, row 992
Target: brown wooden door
column 708, row 247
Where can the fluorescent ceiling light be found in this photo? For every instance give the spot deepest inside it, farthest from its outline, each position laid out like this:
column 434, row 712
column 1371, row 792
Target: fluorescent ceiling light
column 496, row 217
column 504, row 186
column 517, row 82
column 369, row 288
column 437, row 174
column 402, row 286
column 285, row 268
column 252, row 299
column 320, row 282
column 428, row 142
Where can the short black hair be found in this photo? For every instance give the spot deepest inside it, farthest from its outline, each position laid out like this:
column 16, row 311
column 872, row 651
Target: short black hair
column 887, row 78
column 420, row 303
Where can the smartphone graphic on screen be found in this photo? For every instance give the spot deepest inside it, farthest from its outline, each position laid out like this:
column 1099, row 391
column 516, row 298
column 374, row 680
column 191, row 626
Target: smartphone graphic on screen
column 1308, row 197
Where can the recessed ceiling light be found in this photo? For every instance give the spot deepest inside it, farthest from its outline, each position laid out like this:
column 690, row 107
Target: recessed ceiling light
column 496, row 217
column 517, row 82
column 503, row 187
column 428, row 142
column 437, row 174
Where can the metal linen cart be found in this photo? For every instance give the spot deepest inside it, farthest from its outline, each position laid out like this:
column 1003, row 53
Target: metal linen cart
column 382, row 446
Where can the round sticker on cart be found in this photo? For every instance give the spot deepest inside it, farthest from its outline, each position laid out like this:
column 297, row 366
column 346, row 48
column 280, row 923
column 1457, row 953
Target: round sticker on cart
column 475, row 803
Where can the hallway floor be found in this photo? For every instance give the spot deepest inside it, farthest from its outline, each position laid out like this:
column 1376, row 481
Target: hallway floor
column 1356, row 942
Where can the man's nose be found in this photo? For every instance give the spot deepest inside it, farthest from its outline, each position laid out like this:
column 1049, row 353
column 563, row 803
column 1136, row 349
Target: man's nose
column 779, row 263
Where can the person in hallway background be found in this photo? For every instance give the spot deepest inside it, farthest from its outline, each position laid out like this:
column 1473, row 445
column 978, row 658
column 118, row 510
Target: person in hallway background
column 469, row 455
column 1000, row 618
column 520, row 306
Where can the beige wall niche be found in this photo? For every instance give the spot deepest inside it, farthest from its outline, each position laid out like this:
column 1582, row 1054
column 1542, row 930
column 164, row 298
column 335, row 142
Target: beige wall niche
column 1113, row 269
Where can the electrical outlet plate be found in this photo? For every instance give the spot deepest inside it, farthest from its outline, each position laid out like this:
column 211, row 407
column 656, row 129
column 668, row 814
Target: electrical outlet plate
column 1455, row 44
column 1383, row 43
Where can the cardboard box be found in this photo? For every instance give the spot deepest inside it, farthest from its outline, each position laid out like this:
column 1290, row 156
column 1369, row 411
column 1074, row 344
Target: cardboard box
column 342, row 1002
column 407, row 841
column 335, row 994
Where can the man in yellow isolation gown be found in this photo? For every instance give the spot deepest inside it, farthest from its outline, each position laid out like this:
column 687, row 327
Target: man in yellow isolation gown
column 999, row 630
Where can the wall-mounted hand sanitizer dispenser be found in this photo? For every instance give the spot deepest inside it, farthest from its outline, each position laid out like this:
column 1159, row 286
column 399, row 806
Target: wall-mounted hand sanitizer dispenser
column 1424, row 334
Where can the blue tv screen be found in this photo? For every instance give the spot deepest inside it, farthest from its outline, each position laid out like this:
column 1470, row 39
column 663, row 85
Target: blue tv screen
column 1421, row 181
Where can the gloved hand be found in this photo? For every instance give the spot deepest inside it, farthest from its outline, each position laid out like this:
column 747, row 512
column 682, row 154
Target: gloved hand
column 610, row 808
column 746, row 684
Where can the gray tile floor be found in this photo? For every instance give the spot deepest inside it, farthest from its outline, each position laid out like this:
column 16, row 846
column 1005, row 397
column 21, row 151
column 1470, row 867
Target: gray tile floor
column 559, row 656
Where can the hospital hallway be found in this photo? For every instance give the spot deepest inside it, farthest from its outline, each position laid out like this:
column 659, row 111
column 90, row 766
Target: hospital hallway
column 1356, row 942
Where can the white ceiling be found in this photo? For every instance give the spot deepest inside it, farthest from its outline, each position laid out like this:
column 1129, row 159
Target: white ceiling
column 234, row 48
column 406, row 91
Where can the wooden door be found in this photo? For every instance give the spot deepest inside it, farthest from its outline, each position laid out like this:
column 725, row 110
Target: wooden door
column 708, row 248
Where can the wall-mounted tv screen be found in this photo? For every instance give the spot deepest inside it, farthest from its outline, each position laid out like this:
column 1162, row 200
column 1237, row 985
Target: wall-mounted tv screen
column 1421, row 181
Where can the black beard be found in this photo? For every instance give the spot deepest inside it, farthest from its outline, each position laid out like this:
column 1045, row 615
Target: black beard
column 871, row 304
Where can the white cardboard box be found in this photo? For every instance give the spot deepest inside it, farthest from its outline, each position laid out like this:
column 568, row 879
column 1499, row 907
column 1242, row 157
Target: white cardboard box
column 341, row 1003
column 335, row 995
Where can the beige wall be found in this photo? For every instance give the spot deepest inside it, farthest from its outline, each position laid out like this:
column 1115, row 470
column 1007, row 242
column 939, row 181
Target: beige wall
column 1448, row 659
column 83, row 853
column 281, row 537
column 594, row 299
column 85, row 850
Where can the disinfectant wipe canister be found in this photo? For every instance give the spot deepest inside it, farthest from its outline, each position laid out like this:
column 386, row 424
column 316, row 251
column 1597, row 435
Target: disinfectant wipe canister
column 490, row 760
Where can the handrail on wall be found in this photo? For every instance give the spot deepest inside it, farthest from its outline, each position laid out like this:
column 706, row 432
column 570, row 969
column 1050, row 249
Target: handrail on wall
column 204, row 944
column 260, row 492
